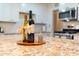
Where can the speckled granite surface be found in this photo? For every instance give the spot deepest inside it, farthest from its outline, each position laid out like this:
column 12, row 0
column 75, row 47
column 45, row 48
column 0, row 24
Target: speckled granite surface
column 53, row 47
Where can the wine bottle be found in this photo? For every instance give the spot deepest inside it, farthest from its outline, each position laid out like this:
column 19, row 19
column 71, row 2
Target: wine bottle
column 31, row 25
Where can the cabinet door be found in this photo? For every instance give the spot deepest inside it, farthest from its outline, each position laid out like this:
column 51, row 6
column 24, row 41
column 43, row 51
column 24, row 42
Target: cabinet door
column 57, row 22
column 9, row 12
column 4, row 12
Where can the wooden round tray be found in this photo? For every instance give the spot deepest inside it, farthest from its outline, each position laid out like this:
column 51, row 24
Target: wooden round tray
column 30, row 44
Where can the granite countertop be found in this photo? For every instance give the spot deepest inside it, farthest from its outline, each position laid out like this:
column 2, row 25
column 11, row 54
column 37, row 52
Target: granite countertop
column 53, row 47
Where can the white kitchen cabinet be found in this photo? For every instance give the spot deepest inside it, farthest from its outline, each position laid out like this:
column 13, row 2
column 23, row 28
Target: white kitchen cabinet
column 8, row 12
column 67, row 6
column 40, row 27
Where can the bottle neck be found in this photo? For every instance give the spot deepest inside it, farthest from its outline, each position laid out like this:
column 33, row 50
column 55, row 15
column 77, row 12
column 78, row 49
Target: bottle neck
column 30, row 14
column 30, row 17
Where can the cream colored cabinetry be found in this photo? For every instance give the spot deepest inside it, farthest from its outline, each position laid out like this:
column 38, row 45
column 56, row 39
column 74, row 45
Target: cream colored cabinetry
column 57, row 22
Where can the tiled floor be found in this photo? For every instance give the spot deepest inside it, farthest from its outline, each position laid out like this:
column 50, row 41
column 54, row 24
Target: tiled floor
column 53, row 47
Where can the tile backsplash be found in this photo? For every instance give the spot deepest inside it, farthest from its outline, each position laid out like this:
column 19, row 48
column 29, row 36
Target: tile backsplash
column 72, row 24
column 7, row 27
column 12, row 27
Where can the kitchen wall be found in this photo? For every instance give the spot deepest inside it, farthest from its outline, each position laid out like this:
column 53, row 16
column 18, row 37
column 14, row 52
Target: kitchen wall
column 43, row 14
column 40, row 11
column 50, row 17
column 75, row 24
column 10, row 12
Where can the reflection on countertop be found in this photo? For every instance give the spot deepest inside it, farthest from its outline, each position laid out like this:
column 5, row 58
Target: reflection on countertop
column 53, row 47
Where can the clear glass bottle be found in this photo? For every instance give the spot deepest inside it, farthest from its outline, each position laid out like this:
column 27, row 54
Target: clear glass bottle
column 40, row 37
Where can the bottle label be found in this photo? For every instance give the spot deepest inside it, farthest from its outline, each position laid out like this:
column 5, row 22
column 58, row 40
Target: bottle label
column 31, row 28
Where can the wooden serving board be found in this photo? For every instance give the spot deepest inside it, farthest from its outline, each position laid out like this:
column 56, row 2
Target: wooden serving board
column 30, row 44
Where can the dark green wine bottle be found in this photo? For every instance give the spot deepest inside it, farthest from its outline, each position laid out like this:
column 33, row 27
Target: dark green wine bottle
column 31, row 24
